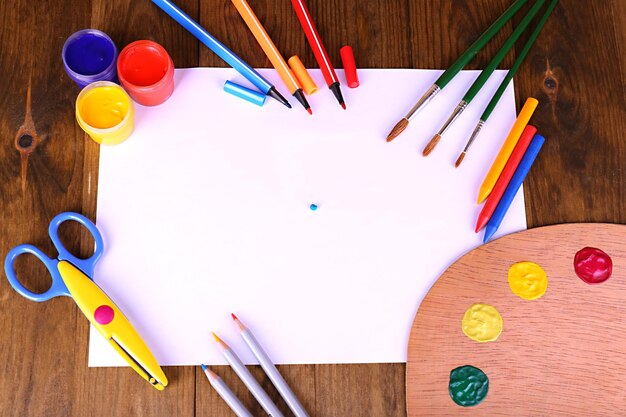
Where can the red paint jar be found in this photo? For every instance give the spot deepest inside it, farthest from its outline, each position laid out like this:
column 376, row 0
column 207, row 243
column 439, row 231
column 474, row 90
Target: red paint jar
column 146, row 72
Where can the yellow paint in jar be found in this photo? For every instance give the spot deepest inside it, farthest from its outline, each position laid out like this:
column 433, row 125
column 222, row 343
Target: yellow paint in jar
column 105, row 112
column 482, row 323
column 528, row 280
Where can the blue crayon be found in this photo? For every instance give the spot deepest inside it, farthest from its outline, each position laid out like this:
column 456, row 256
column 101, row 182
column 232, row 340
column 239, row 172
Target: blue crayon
column 513, row 187
column 220, row 49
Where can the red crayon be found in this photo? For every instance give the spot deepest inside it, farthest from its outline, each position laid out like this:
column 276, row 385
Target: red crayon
column 505, row 177
column 318, row 49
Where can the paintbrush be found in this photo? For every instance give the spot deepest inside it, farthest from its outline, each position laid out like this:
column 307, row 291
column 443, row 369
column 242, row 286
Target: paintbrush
column 505, row 82
column 484, row 76
column 451, row 72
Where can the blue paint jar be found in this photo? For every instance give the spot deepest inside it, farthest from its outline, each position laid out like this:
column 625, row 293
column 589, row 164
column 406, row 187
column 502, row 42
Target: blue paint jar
column 89, row 55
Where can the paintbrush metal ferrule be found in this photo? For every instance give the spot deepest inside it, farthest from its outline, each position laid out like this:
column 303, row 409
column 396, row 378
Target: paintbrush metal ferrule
column 453, row 116
column 435, row 140
column 474, row 135
column 423, row 101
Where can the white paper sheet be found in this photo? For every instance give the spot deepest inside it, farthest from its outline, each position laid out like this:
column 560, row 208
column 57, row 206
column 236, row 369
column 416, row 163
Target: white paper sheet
column 205, row 211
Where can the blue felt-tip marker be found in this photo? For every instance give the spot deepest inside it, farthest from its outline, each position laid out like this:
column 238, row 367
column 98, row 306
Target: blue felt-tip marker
column 514, row 185
column 220, row 49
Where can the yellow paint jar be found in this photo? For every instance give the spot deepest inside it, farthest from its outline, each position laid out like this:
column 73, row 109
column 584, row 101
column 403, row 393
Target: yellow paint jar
column 105, row 112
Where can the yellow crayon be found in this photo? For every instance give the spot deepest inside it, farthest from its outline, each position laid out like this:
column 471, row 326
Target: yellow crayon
column 507, row 147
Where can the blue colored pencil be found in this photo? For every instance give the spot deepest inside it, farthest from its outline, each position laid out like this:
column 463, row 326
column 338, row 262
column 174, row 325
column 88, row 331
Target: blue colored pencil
column 227, row 395
column 514, row 186
column 220, row 49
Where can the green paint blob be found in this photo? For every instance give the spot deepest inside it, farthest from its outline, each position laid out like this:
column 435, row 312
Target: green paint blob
column 468, row 385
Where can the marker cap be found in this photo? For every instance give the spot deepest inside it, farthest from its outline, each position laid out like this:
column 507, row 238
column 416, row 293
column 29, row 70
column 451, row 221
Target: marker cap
column 303, row 76
column 349, row 66
column 245, row 93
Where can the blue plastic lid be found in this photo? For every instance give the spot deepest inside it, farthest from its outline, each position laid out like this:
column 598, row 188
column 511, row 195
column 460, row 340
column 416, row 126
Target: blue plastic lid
column 245, row 93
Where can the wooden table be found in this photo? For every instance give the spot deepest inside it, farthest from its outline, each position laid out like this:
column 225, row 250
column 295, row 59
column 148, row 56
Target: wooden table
column 576, row 70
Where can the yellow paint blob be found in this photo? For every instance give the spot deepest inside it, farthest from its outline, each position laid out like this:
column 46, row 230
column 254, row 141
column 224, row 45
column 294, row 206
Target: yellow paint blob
column 105, row 112
column 528, row 280
column 482, row 323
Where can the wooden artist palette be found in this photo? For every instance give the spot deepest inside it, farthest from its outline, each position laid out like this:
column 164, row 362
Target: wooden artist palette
column 563, row 354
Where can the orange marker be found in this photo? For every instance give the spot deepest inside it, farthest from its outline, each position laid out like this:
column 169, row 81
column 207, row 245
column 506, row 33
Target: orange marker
column 271, row 52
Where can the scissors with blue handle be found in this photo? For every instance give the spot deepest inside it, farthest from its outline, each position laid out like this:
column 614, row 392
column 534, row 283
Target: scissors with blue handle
column 73, row 277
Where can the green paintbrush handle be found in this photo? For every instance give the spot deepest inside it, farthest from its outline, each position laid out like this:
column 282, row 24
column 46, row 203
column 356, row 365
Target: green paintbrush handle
column 506, row 47
column 520, row 58
column 478, row 44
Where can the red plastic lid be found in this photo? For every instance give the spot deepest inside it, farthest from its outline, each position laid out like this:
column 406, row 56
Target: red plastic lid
column 349, row 66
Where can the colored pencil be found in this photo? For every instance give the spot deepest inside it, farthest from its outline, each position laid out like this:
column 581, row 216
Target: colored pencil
column 513, row 187
column 270, row 370
column 505, row 82
column 457, row 66
column 507, row 147
column 220, row 49
column 247, row 378
column 505, row 177
column 478, row 84
column 227, row 395
column 272, row 53
column 315, row 41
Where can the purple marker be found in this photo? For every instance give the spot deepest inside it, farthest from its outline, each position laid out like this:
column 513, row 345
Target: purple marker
column 89, row 55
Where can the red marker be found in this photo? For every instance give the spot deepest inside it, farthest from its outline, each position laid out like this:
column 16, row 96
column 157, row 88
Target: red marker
column 318, row 49
column 505, row 177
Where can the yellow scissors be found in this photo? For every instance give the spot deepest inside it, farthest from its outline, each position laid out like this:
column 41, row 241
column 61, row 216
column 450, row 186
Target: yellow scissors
column 73, row 277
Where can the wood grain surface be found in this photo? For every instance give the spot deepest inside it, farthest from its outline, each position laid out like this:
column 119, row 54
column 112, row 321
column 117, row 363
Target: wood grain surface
column 559, row 355
column 576, row 70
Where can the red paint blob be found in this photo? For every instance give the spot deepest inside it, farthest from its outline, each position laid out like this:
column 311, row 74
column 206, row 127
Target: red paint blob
column 593, row 265
column 146, row 72
column 104, row 314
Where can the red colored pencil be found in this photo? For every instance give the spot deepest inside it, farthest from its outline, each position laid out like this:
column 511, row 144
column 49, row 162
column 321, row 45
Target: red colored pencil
column 505, row 176
column 318, row 49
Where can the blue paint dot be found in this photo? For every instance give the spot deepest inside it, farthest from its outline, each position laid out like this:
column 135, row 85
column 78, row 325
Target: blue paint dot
column 313, row 207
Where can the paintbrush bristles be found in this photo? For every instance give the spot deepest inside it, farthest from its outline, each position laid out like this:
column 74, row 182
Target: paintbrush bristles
column 397, row 129
column 459, row 160
column 431, row 145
